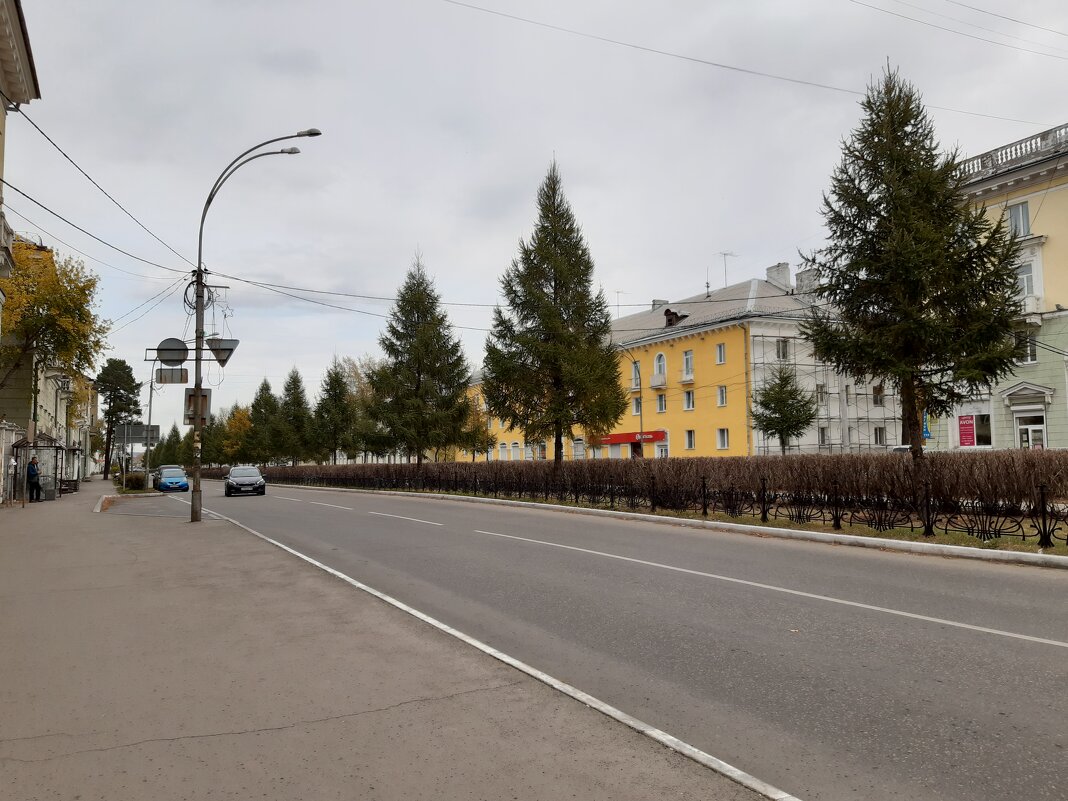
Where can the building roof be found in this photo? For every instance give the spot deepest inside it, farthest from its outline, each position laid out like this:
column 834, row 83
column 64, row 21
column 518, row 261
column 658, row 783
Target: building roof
column 1016, row 155
column 746, row 300
column 18, row 73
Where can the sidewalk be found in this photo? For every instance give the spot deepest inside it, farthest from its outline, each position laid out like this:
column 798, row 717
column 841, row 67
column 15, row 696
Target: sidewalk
column 149, row 658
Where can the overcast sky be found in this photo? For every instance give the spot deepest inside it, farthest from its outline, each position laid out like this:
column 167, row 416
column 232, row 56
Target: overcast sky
column 439, row 122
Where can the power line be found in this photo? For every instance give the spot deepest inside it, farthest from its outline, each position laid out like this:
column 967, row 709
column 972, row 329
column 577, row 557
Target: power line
column 90, row 178
column 708, row 63
column 958, row 33
column 1010, row 19
column 169, row 291
column 8, row 207
column 93, row 236
column 978, row 27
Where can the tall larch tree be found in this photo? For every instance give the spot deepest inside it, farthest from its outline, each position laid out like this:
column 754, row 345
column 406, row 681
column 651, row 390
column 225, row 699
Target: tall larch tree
column 782, row 408
column 294, row 419
column 921, row 285
column 550, row 368
column 335, row 415
column 265, row 434
column 419, row 401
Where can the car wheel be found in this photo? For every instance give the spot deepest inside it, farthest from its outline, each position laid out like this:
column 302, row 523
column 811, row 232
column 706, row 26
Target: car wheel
column 263, row 492
column 226, row 492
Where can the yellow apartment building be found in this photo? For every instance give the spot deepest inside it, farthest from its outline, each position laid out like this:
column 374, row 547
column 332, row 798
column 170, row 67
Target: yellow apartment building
column 690, row 369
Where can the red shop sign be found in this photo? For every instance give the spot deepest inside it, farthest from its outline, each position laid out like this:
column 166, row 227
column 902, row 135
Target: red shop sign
column 633, row 436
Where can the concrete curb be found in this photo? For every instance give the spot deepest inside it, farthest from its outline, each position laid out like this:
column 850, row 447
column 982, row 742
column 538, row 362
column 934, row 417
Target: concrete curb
column 921, row 548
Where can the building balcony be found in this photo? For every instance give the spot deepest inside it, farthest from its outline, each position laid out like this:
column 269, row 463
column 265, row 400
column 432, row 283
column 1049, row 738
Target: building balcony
column 658, row 380
column 635, row 385
column 686, row 376
column 7, row 237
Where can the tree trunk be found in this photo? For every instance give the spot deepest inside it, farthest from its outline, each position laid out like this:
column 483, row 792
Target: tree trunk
column 912, row 415
column 558, row 444
column 782, row 444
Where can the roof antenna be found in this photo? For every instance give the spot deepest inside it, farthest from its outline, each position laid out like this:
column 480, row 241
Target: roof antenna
column 725, row 254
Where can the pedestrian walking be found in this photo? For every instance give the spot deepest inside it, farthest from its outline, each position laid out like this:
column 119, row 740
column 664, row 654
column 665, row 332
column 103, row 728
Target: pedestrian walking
column 33, row 480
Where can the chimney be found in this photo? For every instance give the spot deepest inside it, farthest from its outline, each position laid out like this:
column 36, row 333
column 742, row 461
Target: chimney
column 657, row 303
column 807, row 280
column 779, row 275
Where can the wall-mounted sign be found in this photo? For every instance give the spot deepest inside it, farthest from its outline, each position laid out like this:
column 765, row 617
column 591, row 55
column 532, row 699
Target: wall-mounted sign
column 966, row 428
column 633, row 436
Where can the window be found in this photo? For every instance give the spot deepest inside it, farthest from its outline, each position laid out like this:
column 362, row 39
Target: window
column 782, row 349
column 687, row 400
column 637, row 406
column 635, row 374
column 723, row 438
column 661, row 451
column 1025, row 279
column 825, row 435
column 1030, row 347
column 721, row 353
column 877, row 396
column 504, row 451
column 661, row 402
column 974, row 430
column 1019, row 219
column 660, row 364
column 721, row 395
column 849, row 393
column 691, row 439
column 821, row 393
column 687, row 363
column 880, row 435
column 517, row 452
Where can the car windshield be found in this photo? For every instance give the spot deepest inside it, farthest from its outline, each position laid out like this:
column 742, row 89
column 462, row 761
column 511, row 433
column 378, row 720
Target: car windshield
column 173, row 474
column 245, row 472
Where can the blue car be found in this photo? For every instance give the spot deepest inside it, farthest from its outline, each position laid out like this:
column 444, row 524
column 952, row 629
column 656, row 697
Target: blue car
column 173, row 481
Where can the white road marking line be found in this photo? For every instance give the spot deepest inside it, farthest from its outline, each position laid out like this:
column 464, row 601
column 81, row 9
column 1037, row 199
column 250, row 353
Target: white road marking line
column 334, row 505
column 284, row 498
column 402, row 517
column 774, row 588
column 764, row 789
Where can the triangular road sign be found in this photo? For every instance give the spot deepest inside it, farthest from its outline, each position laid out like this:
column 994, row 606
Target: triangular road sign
column 221, row 349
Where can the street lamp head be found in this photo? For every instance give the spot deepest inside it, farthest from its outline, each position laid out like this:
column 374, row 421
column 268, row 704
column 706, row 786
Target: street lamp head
column 310, row 132
column 290, row 151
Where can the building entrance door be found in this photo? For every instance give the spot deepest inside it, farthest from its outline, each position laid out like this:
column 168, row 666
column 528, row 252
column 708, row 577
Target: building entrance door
column 1031, row 431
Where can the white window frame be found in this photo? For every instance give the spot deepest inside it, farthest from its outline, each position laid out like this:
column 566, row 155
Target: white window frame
column 636, row 406
column 1031, row 357
column 824, row 434
column 878, row 395
column 1025, row 279
column 688, row 400
column 721, row 395
column 661, row 450
column 661, row 403
column 1019, row 218
column 687, row 362
column 821, row 393
column 723, row 439
column 660, row 364
column 721, row 353
column 879, row 435
column 691, row 439
column 635, row 373
column 782, row 349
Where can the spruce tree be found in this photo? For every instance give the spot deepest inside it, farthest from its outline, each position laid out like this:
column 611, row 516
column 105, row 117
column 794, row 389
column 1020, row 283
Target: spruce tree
column 921, row 286
column 419, row 400
column 550, row 368
column 782, row 408
column 265, row 435
column 294, row 419
column 120, row 395
column 335, row 413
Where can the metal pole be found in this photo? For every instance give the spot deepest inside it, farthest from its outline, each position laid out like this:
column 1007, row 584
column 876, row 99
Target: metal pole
column 148, row 428
column 195, row 495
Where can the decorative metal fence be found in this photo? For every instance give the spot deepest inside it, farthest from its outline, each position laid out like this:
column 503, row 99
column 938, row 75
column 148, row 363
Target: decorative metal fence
column 1022, row 495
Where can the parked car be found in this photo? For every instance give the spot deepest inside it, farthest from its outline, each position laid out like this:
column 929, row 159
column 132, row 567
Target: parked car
column 156, row 472
column 244, row 481
column 172, row 480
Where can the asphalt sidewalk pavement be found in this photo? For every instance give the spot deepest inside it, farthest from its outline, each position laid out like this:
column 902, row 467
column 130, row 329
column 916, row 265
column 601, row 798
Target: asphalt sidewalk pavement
column 150, row 658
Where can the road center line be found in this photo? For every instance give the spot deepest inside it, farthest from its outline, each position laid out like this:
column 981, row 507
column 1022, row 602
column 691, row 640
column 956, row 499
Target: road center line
column 284, row 498
column 773, row 588
column 402, row 517
column 334, row 505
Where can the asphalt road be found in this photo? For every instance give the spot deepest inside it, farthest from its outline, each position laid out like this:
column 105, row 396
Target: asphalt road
column 834, row 673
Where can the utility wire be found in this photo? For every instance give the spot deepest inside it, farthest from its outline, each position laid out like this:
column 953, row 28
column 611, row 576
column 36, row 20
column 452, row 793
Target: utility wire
column 708, row 63
column 1010, row 19
column 92, row 236
column 956, row 32
column 169, row 291
column 978, row 27
column 8, row 207
column 90, row 178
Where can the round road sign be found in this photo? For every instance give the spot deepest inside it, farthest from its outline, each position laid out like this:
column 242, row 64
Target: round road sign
column 172, row 351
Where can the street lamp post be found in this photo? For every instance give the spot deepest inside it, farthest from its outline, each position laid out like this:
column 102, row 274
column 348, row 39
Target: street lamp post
column 244, row 158
column 637, row 372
